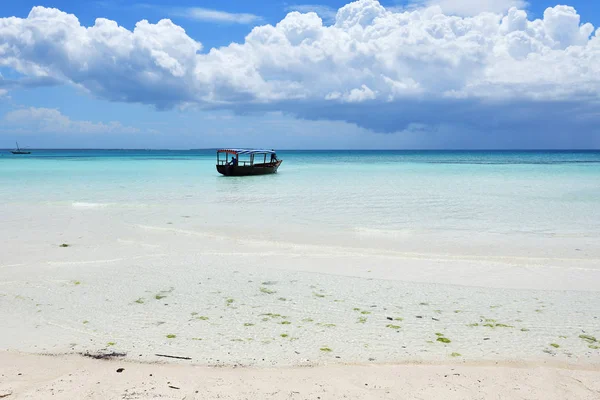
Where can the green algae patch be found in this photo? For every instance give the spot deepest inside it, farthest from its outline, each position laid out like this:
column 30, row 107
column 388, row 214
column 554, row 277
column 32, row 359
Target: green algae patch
column 140, row 300
column 556, row 346
column 282, row 299
column 159, row 296
column 171, row 336
column 285, row 323
column 307, row 320
column 365, row 312
column 202, row 318
column 248, row 324
column 473, row 325
column 110, row 343
column 64, row 245
column 392, row 326
column 588, row 338
column 524, row 330
column 439, row 334
column 326, row 349
column 271, row 315
column 196, row 338
column 319, row 295
column 455, row 355
column 86, row 322
column 443, row 340
column 329, row 325
column 496, row 325
column 361, row 320
column 229, row 301
column 76, row 283
column 194, row 314
column 356, row 309
column 284, row 335
column 593, row 347
column 267, row 290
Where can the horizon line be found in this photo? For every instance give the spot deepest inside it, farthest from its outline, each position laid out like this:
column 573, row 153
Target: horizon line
column 288, row 149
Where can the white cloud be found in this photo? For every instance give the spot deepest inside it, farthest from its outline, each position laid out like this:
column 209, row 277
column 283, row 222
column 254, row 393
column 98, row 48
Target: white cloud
column 370, row 56
column 326, row 13
column 471, row 7
column 206, row 14
column 359, row 95
column 51, row 120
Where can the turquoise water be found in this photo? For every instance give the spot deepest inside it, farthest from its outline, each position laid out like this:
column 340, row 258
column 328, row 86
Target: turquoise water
column 362, row 193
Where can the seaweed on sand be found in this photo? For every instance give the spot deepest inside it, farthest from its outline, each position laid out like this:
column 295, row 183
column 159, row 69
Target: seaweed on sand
column 267, row 290
column 103, row 356
column 588, row 338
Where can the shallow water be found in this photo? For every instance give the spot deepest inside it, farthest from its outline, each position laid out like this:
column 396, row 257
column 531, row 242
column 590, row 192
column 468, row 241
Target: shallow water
column 388, row 195
column 497, row 251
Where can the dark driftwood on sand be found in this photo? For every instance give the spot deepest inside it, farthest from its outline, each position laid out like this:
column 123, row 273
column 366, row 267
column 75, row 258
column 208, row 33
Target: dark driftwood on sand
column 179, row 358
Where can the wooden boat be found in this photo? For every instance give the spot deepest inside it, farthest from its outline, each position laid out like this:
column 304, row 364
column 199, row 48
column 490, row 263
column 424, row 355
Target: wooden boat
column 244, row 162
column 19, row 150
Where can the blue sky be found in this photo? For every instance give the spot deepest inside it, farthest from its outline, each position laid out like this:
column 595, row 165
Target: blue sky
column 433, row 83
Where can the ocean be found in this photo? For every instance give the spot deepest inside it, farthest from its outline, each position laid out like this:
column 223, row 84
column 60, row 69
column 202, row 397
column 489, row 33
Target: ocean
column 416, row 199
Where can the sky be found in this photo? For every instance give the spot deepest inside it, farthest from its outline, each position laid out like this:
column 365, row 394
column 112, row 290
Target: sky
column 413, row 74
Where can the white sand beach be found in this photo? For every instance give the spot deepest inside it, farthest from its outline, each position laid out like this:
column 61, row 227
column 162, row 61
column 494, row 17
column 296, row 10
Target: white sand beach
column 149, row 284
column 72, row 377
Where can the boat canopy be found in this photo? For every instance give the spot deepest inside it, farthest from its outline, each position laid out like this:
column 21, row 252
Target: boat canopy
column 246, row 151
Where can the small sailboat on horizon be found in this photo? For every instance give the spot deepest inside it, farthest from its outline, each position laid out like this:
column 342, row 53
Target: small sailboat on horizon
column 18, row 150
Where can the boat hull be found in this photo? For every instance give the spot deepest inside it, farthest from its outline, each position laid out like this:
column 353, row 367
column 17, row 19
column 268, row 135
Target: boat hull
column 248, row 170
column 21, row 152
